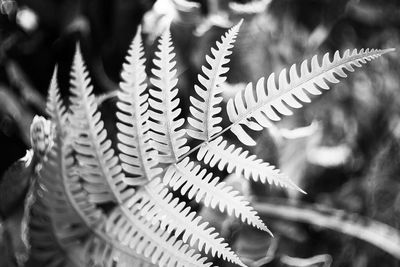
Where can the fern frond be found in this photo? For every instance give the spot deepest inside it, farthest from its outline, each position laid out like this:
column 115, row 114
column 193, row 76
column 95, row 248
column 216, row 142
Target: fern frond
column 56, row 174
column 204, row 111
column 170, row 142
column 93, row 215
column 46, row 248
column 98, row 165
column 62, row 202
column 137, row 154
column 271, row 102
column 233, row 159
column 150, row 240
column 54, row 105
column 197, row 184
column 94, row 151
column 103, row 180
column 157, row 204
column 70, row 211
column 61, row 188
column 111, row 254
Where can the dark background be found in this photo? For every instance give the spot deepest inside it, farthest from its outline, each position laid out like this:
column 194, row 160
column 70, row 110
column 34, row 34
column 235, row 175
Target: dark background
column 350, row 163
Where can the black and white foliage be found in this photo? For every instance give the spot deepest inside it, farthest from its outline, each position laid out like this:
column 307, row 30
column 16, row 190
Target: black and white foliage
column 144, row 224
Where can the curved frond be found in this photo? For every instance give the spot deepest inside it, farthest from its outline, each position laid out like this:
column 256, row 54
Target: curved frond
column 67, row 202
column 158, row 205
column 98, row 165
column 46, row 248
column 61, row 203
column 218, row 153
column 61, row 187
column 137, row 154
column 164, row 124
column 271, row 102
column 97, row 160
column 57, row 176
column 197, row 184
column 111, row 254
column 204, row 109
column 150, row 240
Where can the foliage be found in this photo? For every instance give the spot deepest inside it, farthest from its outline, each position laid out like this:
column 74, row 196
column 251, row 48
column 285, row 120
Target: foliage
column 97, row 206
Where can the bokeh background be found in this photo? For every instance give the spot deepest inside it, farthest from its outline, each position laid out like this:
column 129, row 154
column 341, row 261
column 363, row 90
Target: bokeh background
column 343, row 149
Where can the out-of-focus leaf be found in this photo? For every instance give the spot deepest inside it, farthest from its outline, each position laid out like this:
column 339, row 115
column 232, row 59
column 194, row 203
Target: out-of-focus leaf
column 27, row 19
column 376, row 233
column 323, row 260
column 329, row 156
column 14, row 184
column 158, row 19
column 20, row 115
column 249, row 8
column 7, row 258
column 29, row 94
column 8, row 7
column 219, row 20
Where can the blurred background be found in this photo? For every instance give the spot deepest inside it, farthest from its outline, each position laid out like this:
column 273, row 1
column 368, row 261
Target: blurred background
column 343, row 149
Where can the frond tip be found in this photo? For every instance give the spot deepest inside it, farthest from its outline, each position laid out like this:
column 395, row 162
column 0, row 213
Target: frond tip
column 218, row 153
column 272, row 101
column 205, row 111
column 137, row 156
column 164, row 123
column 98, row 165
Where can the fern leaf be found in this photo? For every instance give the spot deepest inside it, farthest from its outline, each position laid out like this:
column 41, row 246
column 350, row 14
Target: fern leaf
column 170, row 142
column 204, row 111
column 56, row 175
column 157, row 204
column 271, row 102
column 46, row 249
column 217, row 152
column 94, row 150
column 98, row 165
column 62, row 202
column 199, row 185
column 70, row 211
column 150, row 240
column 61, row 187
column 111, row 254
column 98, row 162
column 137, row 154
column 54, row 106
